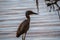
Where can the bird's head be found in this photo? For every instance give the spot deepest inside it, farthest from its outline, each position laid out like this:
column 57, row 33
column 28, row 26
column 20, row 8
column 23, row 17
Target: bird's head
column 30, row 12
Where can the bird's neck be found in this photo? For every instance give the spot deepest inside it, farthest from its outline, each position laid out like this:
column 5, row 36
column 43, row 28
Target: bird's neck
column 28, row 17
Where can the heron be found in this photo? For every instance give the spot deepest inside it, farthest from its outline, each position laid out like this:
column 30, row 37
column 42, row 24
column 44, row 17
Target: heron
column 24, row 26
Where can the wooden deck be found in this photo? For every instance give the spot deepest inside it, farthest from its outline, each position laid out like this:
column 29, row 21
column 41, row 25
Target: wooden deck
column 45, row 26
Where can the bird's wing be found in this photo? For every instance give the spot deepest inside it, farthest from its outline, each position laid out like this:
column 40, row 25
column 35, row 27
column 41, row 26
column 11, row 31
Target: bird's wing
column 22, row 28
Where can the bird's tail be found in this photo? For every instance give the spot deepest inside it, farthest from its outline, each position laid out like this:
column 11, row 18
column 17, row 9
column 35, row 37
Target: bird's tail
column 17, row 34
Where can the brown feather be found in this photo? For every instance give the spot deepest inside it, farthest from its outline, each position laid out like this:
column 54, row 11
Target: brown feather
column 23, row 27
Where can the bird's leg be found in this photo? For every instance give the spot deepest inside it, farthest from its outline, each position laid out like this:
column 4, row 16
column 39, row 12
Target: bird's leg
column 23, row 36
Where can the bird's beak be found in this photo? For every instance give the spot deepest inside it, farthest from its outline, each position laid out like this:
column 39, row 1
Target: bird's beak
column 35, row 13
